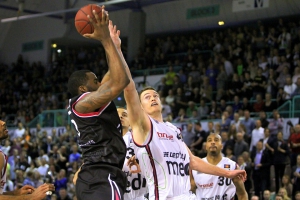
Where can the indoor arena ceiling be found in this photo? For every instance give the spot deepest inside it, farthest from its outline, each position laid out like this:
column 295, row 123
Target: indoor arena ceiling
column 19, row 8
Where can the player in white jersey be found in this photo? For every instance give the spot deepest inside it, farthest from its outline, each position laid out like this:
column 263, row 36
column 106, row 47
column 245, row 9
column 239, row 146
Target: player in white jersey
column 136, row 185
column 27, row 192
column 166, row 159
column 217, row 187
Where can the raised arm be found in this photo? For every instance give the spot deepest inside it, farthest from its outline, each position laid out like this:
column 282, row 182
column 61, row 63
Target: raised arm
column 112, row 84
column 138, row 119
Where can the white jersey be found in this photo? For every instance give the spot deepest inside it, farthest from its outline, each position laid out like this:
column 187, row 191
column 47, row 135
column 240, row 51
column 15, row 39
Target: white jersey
column 210, row 187
column 136, row 182
column 3, row 172
column 164, row 161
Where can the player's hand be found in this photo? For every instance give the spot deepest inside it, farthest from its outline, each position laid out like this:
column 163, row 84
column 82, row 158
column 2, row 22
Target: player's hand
column 114, row 34
column 132, row 162
column 40, row 192
column 26, row 189
column 241, row 174
column 100, row 25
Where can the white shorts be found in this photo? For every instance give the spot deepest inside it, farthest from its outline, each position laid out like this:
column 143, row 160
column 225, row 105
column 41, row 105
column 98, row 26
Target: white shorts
column 188, row 196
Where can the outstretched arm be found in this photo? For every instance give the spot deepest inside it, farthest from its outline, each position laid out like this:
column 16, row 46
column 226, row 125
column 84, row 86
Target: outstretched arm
column 199, row 165
column 240, row 188
column 138, row 119
column 117, row 79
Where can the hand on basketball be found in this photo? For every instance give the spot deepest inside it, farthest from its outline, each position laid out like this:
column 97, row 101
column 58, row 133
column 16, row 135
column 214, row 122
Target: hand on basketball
column 132, row 162
column 40, row 192
column 114, row 34
column 26, row 189
column 100, row 25
column 240, row 174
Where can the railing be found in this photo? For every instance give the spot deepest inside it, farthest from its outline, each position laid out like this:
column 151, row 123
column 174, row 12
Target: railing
column 296, row 107
column 51, row 118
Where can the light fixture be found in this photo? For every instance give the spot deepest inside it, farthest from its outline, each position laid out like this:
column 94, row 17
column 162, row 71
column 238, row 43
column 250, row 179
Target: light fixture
column 221, row 23
column 54, row 45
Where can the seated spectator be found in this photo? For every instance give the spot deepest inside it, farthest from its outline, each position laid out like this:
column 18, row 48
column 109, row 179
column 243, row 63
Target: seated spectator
column 247, row 89
column 214, row 112
column 206, row 89
column 221, row 78
column 170, row 98
column 286, row 183
column 272, row 86
column 296, row 74
column 63, row 194
column 263, row 119
column 229, row 153
column 195, row 117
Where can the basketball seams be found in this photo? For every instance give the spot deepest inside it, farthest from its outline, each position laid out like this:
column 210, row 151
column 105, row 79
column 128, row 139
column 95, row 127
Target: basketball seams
column 81, row 18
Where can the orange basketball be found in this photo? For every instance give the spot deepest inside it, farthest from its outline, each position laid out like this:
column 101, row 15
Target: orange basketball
column 82, row 22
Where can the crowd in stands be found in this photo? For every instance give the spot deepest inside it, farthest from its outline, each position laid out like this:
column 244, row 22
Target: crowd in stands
column 248, row 72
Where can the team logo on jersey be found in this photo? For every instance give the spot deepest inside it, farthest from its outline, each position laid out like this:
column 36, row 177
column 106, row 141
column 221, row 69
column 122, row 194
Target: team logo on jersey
column 227, row 166
column 206, row 186
column 165, row 136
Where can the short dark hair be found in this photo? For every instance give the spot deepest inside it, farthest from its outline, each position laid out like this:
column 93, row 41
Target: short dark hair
column 77, row 79
column 145, row 89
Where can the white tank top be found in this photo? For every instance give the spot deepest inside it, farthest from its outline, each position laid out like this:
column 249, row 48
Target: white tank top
column 164, row 161
column 136, row 182
column 210, row 187
column 3, row 172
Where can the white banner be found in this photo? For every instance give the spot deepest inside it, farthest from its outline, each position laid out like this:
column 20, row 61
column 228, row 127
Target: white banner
column 244, row 5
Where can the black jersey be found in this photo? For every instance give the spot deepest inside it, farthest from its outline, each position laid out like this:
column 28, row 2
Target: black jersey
column 100, row 134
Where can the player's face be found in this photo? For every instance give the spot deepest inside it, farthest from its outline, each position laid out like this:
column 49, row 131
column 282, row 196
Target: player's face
column 150, row 101
column 3, row 130
column 214, row 144
column 123, row 117
column 92, row 83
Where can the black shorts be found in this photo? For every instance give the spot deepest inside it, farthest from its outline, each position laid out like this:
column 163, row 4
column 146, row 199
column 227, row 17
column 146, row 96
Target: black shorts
column 100, row 182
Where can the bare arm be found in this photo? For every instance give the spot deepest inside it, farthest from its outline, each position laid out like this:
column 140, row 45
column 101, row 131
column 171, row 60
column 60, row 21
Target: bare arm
column 38, row 194
column 138, row 119
column 200, row 165
column 192, row 181
column 240, row 188
column 118, row 79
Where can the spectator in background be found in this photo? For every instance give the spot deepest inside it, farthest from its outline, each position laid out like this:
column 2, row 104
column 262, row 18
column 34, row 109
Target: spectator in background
column 166, row 108
column 75, row 155
column 249, row 125
column 269, row 105
column 221, row 78
column 228, row 66
column 247, row 86
column 191, row 107
column 163, row 87
column 181, row 117
column 246, row 105
column 259, row 83
column 263, row 119
column 236, row 104
column 240, row 145
column 281, row 79
column 261, row 168
column 170, row 76
column 280, row 152
column 271, row 85
column 206, row 89
column 60, row 181
column 297, row 90
column 212, row 73
column 170, row 98
column 256, row 135
column 294, row 141
column 225, row 124
column 234, row 86
column 19, row 132
column 245, row 166
column 203, row 109
column 226, row 141
column 63, row 194
column 296, row 176
column 259, row 104
column 200, row 136
column 275, row 124
column 286, row 183
column 289, row 88
column 188, row 134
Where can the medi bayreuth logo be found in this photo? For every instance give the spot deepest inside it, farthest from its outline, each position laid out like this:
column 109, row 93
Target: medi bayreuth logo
column 165, row 136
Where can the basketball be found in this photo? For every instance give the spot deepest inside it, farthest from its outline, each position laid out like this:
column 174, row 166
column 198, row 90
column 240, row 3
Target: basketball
column 82, row 22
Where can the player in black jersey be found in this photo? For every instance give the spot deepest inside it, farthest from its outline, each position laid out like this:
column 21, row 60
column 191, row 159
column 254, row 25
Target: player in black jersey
column 96, row 120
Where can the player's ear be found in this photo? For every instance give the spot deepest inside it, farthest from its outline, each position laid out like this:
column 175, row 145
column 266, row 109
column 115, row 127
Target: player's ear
column 82, row 89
